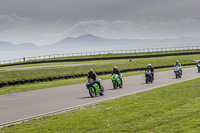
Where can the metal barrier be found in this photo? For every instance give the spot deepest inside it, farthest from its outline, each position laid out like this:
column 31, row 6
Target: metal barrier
column 101, row 53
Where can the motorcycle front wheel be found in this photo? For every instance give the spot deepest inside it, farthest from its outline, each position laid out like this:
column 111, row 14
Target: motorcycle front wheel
column 147, row 80
column 176, row 74
column 101, row 91
column 115, row 85
column 92, row 92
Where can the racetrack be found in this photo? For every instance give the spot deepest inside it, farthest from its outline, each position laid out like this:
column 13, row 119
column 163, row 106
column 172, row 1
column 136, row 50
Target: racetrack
column 22, row 106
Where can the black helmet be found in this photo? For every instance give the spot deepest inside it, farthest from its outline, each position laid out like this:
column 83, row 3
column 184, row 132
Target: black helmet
column 90, row 71
column 176, row 62
column 114, row 68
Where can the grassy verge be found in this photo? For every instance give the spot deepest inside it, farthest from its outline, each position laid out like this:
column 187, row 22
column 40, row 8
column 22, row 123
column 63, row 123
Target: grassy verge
column 112, row 55
column 15, row 75
column 59, row 63
column 43, row 85
column 173, row 108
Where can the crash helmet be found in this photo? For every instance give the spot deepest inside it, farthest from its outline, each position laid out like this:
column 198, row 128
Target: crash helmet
column 114, row 68
column 176, row 62
column 149, row 65
column 90, row 71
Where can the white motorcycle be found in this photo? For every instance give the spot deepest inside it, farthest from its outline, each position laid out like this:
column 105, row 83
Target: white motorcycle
column 177, row 71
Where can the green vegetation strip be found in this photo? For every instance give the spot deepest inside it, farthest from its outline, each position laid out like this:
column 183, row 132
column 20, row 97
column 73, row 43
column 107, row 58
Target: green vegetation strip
column 56, row 83
column 173, row 108
column 17, row 75
column 107, row 56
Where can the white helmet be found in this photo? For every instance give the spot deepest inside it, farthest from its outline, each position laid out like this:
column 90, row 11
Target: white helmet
column 149, row 64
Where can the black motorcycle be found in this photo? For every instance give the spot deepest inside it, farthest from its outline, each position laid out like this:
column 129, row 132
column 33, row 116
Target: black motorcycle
column 148, row 76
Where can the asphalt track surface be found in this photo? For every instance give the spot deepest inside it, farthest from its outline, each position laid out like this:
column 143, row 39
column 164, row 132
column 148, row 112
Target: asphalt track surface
column 23, row 68
column 17, row 107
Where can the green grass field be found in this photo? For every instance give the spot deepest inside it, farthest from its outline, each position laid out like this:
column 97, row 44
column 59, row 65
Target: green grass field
column 173, row 108
column 15, row 75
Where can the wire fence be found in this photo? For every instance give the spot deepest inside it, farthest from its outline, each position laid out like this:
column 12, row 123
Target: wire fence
column 100, row 53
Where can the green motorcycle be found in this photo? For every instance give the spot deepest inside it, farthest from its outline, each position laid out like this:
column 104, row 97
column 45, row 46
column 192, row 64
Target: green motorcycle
column 116, row 81
column 94, row 88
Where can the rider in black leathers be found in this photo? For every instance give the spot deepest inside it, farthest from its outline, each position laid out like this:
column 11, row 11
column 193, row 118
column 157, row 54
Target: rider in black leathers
column 149, row 67
column 116, row 71
column 92, row 75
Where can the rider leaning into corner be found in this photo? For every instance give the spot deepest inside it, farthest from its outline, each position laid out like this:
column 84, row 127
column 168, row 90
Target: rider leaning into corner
column 92, row 75
column 179, row 65
column 149, row 67
column 116, row 71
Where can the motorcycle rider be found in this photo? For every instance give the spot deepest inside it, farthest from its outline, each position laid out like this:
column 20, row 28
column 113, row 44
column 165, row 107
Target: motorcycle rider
column 198, row 63
column 92, row 75
column 149, row 67
column 116, row 71
column 179, row 65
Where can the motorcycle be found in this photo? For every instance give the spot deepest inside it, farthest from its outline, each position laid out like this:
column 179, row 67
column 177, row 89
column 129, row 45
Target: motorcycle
column 94, row 88
column 177, row 71
column 116, row 81
column 198, row 67
column 148, row 76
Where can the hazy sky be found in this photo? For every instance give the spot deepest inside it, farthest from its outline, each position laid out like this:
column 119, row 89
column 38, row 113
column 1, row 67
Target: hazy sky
column 48, row 21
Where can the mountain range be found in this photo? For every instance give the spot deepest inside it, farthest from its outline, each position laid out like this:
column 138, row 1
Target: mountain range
column 7, row 46
column 90, row 40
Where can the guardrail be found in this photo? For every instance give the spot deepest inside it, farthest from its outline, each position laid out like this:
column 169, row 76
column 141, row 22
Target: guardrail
column 100, row 53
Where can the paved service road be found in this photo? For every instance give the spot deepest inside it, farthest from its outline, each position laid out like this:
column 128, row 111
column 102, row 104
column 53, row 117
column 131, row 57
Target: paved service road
column 22, row 68
column 24, row 105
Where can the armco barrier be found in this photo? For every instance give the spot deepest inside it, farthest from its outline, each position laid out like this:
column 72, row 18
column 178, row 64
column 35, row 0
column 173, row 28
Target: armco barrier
column 105, row 58
column 11, row 83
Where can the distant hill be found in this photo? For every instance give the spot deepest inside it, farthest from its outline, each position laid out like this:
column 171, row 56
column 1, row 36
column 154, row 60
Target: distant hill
column 90, row 40
column 7, row 46
column 94, row 41
column 85, row 40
